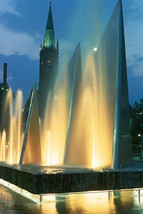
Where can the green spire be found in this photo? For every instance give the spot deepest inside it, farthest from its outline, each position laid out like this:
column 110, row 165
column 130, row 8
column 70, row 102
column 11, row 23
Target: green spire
column 50, row 25
column 49, row 40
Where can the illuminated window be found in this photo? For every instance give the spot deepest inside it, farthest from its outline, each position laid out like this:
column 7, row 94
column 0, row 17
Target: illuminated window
column 49, row 61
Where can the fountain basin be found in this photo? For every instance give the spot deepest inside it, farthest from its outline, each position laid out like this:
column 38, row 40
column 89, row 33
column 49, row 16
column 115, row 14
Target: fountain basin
column 44, row 180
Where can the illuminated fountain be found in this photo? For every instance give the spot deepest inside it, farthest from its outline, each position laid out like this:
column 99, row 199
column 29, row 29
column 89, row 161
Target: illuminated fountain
column 93, row 128
column 90, row 118
column 11, row 139
column 83, row 142
column 86, row 122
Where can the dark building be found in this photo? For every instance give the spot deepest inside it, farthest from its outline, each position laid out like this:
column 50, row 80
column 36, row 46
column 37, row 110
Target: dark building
column 3, row 86
column 3, row 91
column 48, row 64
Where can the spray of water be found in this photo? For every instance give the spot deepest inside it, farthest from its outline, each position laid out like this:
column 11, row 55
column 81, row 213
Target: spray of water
column 11, row 138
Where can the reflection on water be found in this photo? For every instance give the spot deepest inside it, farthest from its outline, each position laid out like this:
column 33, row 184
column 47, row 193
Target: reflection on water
column 124, row 202
column 13, row 203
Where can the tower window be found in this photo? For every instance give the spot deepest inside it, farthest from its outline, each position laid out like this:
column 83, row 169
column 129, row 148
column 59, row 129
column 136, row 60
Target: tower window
column 49, row 61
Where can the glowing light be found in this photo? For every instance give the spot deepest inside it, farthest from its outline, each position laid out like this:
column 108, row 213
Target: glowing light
column 48, row 198
column 95, row 49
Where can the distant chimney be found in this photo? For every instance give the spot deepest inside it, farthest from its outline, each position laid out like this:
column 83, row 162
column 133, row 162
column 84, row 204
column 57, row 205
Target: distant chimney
column 5, row 74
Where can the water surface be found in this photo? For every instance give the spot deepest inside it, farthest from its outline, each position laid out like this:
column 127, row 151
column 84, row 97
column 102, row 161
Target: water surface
column 124, row 202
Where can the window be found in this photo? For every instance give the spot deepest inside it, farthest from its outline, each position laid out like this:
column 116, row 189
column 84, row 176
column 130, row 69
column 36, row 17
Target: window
column 49, row 61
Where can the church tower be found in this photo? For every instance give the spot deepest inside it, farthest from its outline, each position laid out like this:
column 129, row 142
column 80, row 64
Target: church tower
column 48, row 63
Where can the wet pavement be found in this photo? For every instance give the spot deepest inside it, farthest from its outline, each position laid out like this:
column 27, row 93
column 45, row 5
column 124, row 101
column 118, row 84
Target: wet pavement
column 124, row 202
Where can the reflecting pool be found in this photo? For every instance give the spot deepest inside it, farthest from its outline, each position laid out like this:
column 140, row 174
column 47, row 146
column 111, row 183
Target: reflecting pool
column 124, row 201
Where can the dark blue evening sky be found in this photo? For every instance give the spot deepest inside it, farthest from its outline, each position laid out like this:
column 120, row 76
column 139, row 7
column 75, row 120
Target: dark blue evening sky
column 22, row 26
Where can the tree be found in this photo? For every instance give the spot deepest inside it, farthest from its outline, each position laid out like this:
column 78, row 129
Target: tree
column 136, row 113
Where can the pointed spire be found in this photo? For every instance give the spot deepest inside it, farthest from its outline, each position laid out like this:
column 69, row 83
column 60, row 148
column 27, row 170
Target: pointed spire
column 49, row 33
column 50, row 25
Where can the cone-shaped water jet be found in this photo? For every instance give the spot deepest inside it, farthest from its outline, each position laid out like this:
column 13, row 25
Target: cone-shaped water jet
column 31, row 150
column 54, row 127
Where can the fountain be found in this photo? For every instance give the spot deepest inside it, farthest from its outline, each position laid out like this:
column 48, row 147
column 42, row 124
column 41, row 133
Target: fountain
column 85, row 126
column 11, row 139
